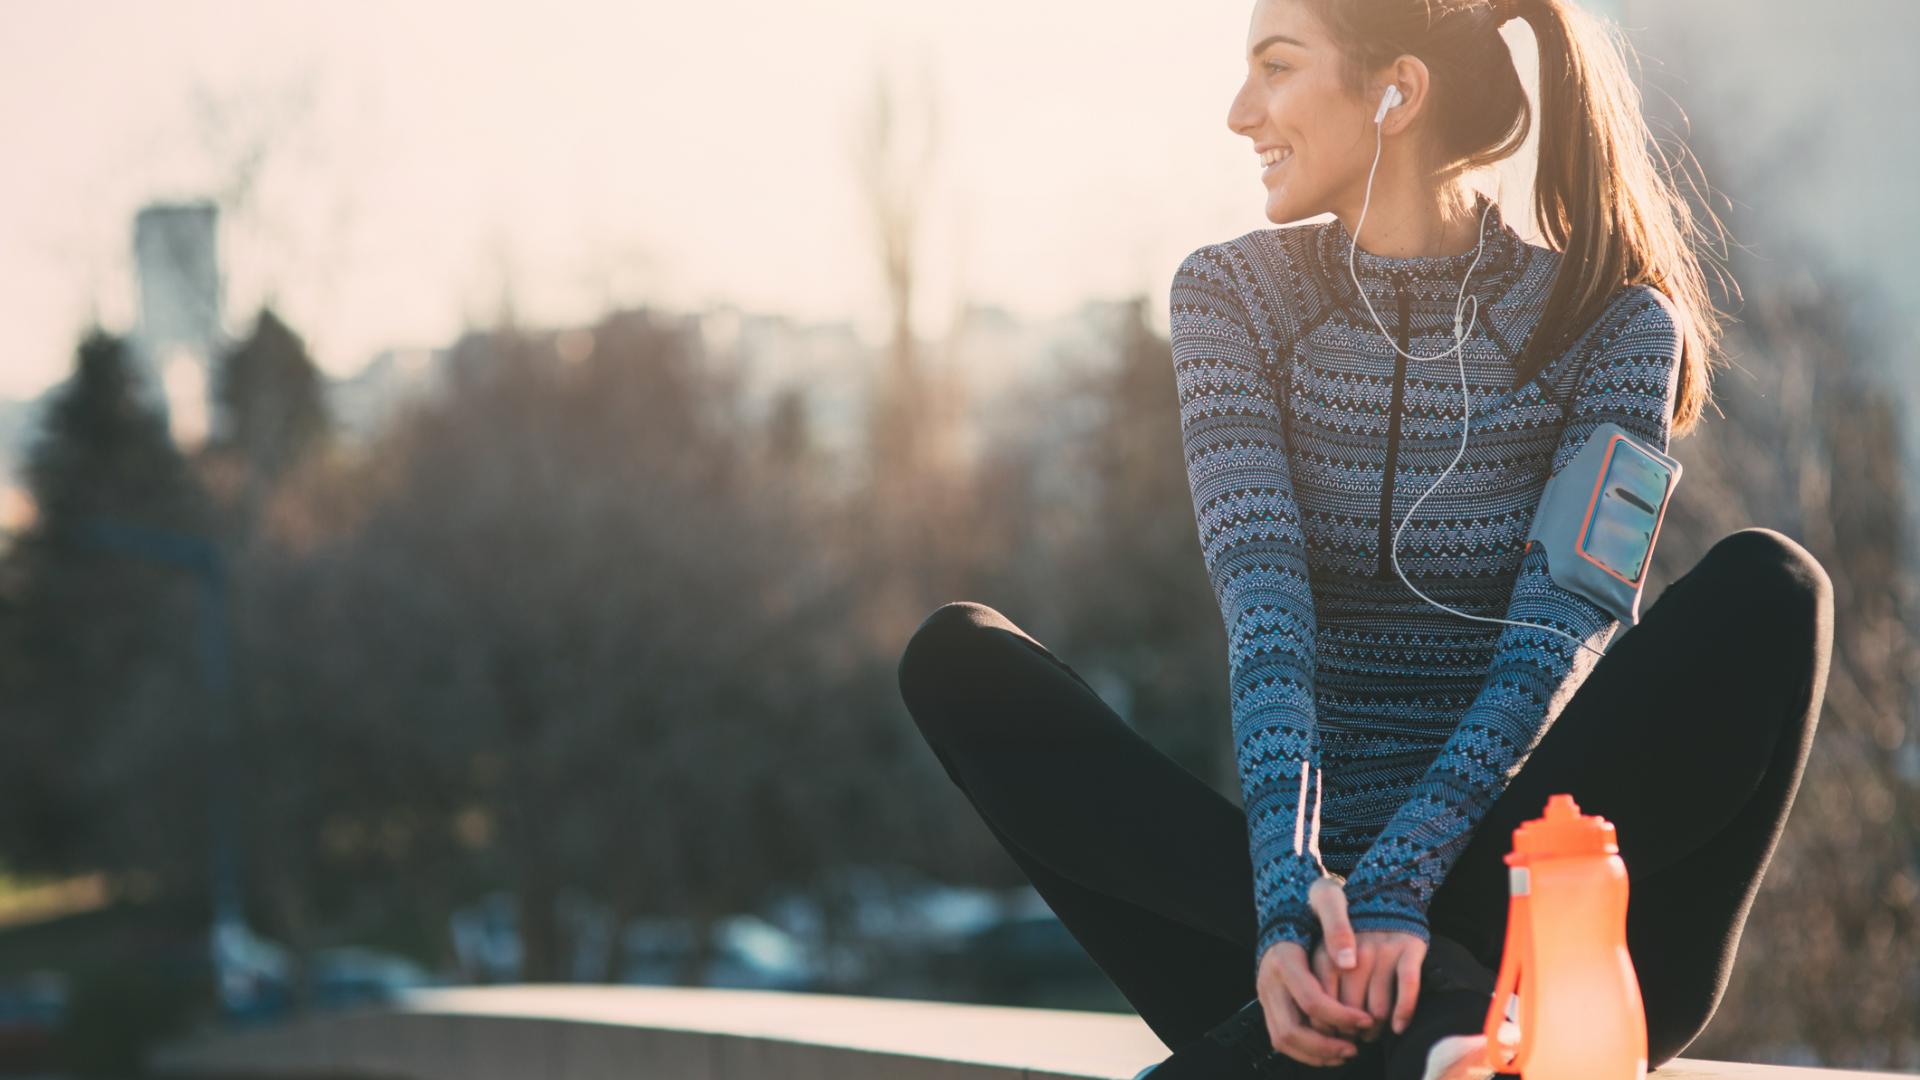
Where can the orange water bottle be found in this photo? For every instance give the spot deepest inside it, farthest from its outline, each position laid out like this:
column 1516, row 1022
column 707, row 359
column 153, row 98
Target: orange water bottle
column 1567, row 1004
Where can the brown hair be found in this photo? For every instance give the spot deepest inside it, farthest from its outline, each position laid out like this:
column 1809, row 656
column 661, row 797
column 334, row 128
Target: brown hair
column 1616, row 218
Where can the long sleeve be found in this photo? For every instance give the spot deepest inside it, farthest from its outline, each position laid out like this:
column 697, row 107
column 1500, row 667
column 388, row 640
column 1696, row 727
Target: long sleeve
column 1256, row 561
column 1629, row 380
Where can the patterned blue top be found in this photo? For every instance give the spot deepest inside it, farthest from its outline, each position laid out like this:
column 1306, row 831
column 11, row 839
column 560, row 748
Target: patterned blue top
column 1307, row 439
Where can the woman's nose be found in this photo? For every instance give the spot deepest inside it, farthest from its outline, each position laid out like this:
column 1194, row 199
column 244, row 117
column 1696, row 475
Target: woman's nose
column 1240, row 117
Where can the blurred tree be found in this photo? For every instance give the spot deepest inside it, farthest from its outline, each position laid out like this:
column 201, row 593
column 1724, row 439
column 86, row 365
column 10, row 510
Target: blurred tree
column 1809, row 444
column 789, row 434
column 271, row 421
column 898, row 141
column 1159, row 639
column 107, row 736
column 593, row 622
column 273, row 410
column 1840, row 906
column 914, row 508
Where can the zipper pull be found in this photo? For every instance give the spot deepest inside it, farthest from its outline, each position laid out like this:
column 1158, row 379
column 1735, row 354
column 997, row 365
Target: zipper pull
column 1401, row 281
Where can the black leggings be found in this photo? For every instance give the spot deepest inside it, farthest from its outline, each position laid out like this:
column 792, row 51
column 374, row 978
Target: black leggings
column 1690, row 735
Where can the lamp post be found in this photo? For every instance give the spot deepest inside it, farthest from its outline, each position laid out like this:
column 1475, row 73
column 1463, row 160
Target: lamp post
column 204, row 560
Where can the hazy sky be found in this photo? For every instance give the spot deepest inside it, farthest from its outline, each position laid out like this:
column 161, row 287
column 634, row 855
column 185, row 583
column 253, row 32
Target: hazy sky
column 394, row 166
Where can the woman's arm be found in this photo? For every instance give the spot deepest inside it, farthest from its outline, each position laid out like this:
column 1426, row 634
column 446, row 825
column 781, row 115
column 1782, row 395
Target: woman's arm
column 1631, row 380
column 1255, row 555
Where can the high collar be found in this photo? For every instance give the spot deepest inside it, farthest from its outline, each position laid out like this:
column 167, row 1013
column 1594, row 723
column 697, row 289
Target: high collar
column 1432, row 278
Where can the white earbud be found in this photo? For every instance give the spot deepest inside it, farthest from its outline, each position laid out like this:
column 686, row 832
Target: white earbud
column 1461, row 329
column 1392, row 99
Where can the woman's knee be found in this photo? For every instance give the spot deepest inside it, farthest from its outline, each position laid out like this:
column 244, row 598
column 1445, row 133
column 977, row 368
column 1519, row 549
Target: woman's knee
column 935, row 650
column 1773, row 603
column 1763, row 560
column 1770, row 584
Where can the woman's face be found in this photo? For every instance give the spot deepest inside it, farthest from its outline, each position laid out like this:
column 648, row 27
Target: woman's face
column 1293, row 99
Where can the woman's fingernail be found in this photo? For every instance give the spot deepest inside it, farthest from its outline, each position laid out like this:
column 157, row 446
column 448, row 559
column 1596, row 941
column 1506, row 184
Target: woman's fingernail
column 1346, row 958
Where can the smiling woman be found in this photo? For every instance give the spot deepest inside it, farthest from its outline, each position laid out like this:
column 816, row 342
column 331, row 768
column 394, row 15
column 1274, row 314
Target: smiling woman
column 1309, row 425
column 1389, row 737
column 1315, row 73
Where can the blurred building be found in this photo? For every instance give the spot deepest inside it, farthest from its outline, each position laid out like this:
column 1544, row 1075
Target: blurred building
column 363, row 404
column 821, row 363
column 179, row 333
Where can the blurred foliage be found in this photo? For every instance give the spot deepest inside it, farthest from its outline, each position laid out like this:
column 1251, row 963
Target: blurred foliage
column 1807, row 439
column 99, row 640
column 131, row 973
column 117, row 1010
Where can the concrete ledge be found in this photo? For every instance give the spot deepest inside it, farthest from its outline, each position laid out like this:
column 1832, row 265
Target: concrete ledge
column 573, row 1032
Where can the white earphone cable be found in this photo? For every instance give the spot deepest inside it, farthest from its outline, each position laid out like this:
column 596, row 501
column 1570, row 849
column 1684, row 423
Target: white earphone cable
column 1460, row 332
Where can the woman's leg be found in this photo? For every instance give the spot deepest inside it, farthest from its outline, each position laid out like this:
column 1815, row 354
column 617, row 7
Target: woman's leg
column 1690, row 735
column 1146, row 864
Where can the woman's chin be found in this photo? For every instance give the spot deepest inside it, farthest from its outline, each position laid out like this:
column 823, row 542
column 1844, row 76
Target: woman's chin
column 1286, row 206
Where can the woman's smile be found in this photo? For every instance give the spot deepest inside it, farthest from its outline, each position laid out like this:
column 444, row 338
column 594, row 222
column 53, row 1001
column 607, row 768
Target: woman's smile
column 1272, row 160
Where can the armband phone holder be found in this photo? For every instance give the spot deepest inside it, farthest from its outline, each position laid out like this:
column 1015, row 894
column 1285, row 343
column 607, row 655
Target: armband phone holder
column 1600, row 515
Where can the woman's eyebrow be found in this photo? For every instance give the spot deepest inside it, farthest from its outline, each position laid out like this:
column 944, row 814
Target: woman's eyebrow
column 1270, row 39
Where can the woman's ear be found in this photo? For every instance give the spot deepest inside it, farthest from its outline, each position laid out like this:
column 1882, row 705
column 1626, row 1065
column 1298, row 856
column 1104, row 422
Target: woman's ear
column 1409, row 73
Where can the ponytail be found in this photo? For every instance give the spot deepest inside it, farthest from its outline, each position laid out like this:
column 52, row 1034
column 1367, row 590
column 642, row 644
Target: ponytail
column 1602, row 198
column 1603, row 204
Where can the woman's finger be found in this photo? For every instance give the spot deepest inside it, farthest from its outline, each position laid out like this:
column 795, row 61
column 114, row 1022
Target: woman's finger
column 1276, row 1001
column 1330, row 982
column 1408, row 993
column 1284, row 1020
column 1324, row 1010
column 1328, row 898
column 1353, row 986
column 1380, row 990
column 1295, row 1038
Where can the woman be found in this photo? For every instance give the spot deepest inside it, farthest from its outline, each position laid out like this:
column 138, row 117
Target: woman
column 1326, row 388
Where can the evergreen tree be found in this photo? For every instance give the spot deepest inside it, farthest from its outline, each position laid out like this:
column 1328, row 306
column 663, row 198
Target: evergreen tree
column 102, row 452
column 273, row 409
column 100, row 631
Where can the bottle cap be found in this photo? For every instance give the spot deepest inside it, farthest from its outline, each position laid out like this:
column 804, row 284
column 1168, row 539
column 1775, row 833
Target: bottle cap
column 1564, row 830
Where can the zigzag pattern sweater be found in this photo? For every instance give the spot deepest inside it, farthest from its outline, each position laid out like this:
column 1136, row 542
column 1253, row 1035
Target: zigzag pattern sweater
column 1307, row 440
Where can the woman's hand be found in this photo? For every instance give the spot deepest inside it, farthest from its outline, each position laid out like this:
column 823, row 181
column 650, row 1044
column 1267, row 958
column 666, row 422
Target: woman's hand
column 1300, row 1012
column 1290, row 997
column 1365, row 976
column 1381, row 957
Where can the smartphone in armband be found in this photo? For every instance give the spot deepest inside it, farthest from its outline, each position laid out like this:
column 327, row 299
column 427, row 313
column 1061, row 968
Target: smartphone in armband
column 1599, row 517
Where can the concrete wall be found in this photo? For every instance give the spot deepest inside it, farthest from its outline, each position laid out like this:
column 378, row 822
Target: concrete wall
column 674, row 1033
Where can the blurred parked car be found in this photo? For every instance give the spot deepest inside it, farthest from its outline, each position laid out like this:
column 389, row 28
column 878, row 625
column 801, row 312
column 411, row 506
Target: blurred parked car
column 1025, row 957
column 257, row 976
column 746, row 952
column 354, row 975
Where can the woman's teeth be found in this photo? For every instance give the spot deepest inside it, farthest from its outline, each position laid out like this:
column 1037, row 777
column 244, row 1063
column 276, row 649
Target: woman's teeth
column 1273, row 157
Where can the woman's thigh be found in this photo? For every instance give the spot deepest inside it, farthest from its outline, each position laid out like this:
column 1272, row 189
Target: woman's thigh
column 1674, row 730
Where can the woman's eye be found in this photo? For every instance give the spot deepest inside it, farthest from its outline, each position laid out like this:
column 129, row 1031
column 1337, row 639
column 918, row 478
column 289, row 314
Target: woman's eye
column 1275, row 66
